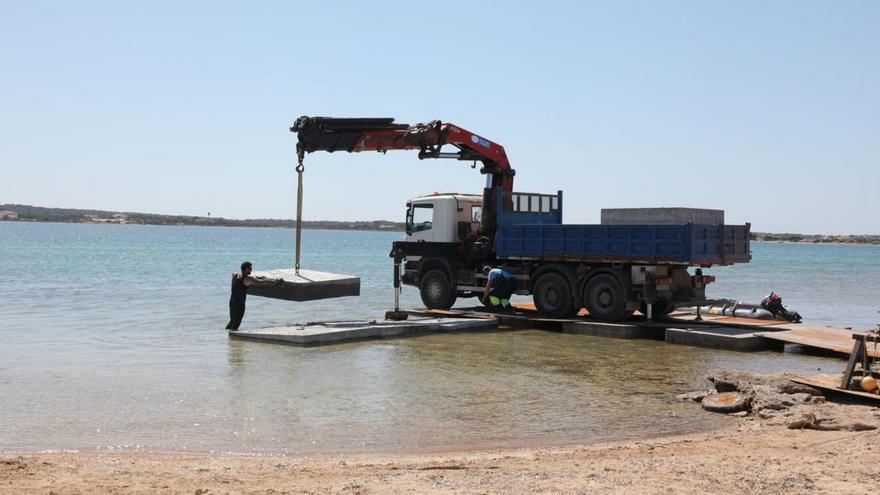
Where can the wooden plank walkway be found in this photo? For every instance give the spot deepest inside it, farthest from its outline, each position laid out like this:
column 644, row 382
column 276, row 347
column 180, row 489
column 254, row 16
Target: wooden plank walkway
column 825, row 338
column 830, row 383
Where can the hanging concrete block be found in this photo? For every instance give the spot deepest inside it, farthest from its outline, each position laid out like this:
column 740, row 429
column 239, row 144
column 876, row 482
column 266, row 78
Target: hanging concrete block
column 308, row 285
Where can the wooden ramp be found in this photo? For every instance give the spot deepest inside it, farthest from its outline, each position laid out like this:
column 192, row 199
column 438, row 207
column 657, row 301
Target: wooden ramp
column 825, row 338
column 830, row 383
column 311, row 334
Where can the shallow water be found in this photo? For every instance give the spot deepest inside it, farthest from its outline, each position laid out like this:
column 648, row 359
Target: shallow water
column 112, row 339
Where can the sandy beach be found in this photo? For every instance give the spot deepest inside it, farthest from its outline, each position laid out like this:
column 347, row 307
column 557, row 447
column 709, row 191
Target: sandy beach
column 787, row 439
column 756, row 458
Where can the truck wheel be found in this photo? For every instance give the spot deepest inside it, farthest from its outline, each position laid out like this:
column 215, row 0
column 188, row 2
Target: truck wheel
column 605, row 298
column 552, row 296
column 436, row 291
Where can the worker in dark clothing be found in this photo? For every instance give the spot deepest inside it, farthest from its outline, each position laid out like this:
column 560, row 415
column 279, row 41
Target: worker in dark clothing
column 499, row 287
column 240, row 283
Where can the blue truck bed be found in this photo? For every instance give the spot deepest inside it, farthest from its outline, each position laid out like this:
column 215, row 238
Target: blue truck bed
column 689, row 244
column 529, row 226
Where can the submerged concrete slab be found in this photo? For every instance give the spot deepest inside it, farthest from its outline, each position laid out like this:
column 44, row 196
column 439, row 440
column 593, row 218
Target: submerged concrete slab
column 307, row 285
column 727, row 338
column 335, row 332
column 613, row 330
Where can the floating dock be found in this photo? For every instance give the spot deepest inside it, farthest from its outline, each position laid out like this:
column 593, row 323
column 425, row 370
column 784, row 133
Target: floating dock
column 323, row 333
column 636, row 330
column 682, row 328
column 718, row 337
column 709, row 331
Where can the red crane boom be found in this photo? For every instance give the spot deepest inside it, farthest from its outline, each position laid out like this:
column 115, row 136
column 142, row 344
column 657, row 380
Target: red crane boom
column 382, row 134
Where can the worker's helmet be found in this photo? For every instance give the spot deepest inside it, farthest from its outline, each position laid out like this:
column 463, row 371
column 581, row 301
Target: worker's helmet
column 487, row 269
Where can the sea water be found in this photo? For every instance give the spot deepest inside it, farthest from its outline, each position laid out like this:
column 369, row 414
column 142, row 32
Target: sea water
column 111, row 337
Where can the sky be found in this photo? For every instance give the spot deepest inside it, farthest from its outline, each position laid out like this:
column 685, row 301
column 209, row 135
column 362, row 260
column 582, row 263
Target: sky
column 769, row 110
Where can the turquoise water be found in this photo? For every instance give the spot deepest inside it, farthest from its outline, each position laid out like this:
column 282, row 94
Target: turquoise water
column 829, row 284
column 112, row 338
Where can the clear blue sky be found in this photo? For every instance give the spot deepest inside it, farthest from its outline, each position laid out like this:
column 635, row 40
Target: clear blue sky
column 769, row 110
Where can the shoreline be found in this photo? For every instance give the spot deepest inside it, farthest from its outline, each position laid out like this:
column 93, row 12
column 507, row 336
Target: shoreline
column 388, row 451
column 279, row 227
column 751, row 457
column 785, row 438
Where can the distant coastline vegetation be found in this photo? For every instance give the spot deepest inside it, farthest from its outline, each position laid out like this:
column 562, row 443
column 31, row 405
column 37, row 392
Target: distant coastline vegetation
column 817, row 238
column 27, row 213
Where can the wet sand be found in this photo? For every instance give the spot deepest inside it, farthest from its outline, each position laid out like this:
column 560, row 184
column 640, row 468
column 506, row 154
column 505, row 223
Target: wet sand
column 756, row 458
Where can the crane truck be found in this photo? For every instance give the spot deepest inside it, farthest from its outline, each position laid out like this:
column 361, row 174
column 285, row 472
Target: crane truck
column 612, row 270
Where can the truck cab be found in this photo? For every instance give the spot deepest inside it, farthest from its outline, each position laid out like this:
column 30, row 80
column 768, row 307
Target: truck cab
column 443, row 217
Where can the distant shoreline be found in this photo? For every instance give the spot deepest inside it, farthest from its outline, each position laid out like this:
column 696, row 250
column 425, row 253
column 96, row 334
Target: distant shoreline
column 815, row 238
column 27, row 213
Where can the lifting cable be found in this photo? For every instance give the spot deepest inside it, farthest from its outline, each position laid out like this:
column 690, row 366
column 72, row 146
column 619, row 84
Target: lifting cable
column 300, row 154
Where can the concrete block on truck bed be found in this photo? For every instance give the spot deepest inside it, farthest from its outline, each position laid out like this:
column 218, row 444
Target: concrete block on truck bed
column 661, row 216
column 308, row 285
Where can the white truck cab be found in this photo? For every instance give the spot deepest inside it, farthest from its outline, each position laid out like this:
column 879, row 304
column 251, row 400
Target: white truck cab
column 437, row 217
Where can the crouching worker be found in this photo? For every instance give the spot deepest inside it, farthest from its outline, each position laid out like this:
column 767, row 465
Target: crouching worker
column 499, row 287
column 240, row 283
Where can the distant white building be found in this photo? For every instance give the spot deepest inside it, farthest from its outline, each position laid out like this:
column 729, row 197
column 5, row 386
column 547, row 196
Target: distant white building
column 121, row 216
column 8, row 215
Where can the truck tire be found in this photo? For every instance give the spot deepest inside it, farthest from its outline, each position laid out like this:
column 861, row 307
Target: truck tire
column 605, row 298
column 552, row 296
column 436, row 291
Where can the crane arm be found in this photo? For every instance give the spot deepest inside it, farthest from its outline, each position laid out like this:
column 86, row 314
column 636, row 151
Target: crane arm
column 382, row 134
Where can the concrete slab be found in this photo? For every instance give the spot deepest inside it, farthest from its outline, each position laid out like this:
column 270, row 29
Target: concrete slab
column 727, row 338
column 308, row 285
column 613, row 330
column 653, row 216
column 336, row 332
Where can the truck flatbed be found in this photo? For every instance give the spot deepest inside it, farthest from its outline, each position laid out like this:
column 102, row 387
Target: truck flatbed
column 688, row 244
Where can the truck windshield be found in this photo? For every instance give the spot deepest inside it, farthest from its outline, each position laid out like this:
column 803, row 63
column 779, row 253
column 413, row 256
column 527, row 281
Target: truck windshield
column 421, row 218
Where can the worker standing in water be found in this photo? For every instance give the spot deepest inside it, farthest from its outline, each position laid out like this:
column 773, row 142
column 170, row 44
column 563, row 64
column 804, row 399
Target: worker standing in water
column 499, row 287
column 240, row 283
